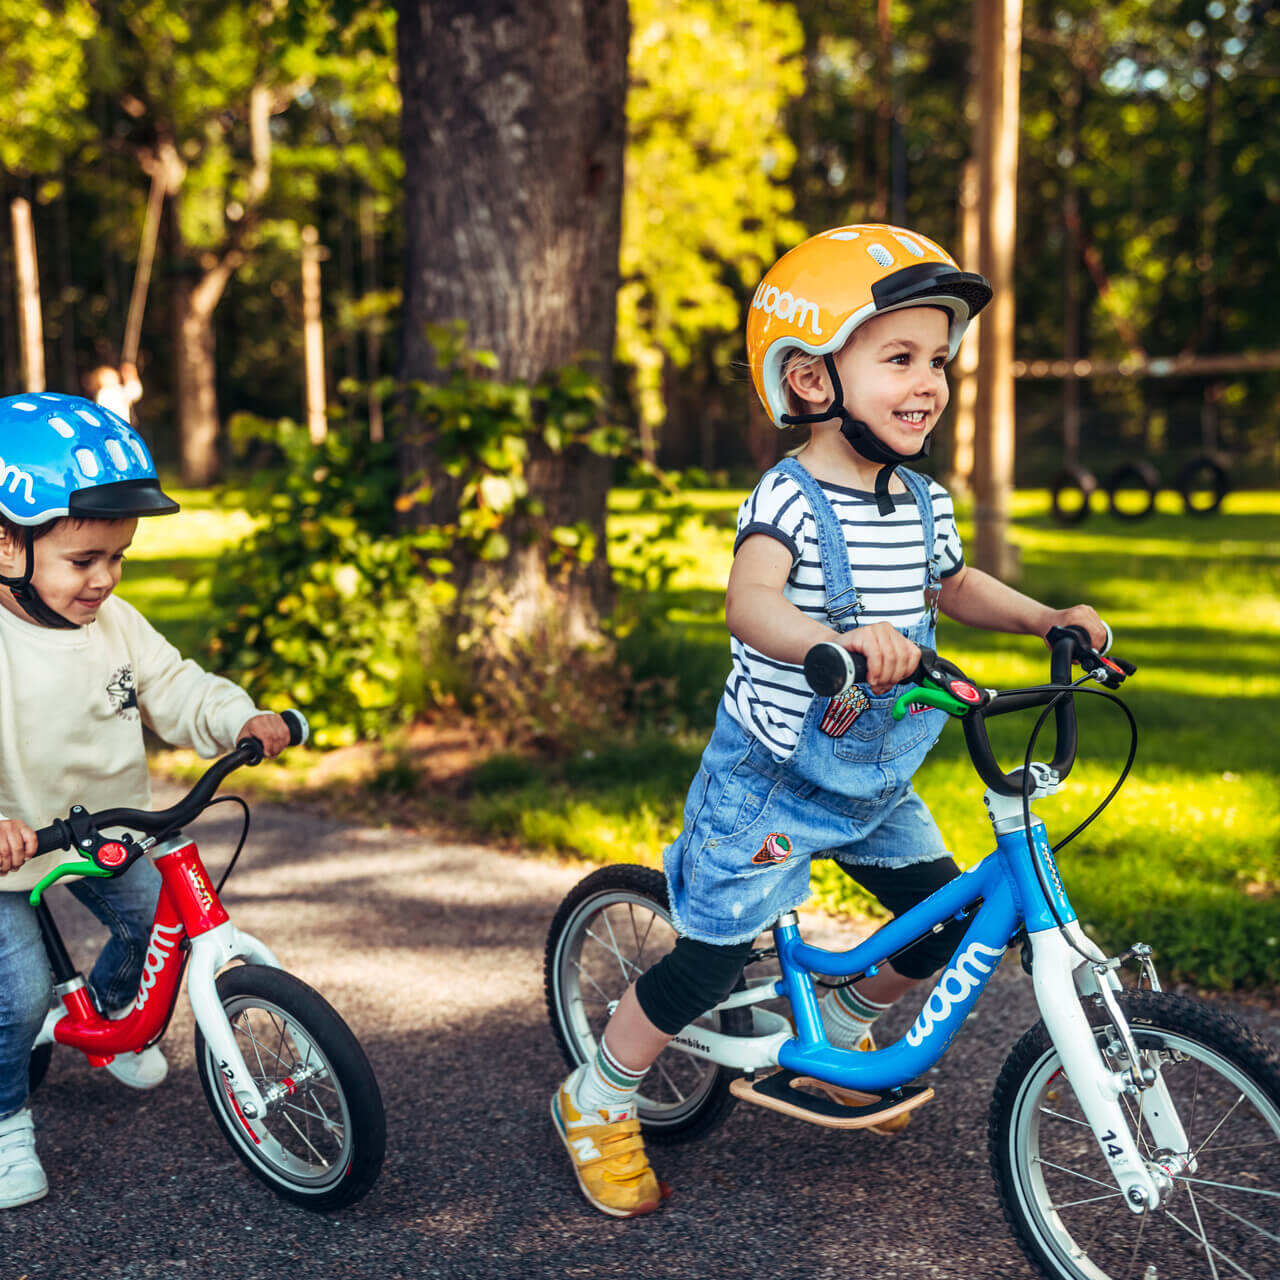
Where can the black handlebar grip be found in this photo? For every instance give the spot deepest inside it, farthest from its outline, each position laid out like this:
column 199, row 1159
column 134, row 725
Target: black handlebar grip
column 299, row 729
column 830, row 669
column 57, row 835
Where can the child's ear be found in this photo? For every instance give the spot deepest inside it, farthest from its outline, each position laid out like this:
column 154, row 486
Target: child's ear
column 809, row 382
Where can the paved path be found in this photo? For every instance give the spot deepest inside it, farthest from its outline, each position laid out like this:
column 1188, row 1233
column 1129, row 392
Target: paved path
column 433, row 952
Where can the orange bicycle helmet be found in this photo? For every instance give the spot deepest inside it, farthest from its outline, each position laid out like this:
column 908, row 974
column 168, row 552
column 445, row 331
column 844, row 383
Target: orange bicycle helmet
column 814, row 298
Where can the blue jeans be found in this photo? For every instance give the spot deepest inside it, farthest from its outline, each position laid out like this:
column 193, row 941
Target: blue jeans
column 126, row 905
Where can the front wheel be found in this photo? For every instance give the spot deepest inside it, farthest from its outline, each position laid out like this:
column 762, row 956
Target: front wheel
column 323, row 1137
column 613, row 926
column 1220, row 1212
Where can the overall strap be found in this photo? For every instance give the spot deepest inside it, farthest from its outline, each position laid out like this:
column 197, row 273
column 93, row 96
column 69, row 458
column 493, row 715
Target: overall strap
column 843, row 604
column 919, row 487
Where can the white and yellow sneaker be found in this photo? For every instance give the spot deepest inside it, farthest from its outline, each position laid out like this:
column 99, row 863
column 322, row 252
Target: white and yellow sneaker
column 608, row 1156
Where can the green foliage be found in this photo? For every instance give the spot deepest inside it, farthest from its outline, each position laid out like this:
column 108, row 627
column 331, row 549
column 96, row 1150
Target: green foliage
column 480, row 433
column 329, row 608
column 43, row 89
column 704, row 204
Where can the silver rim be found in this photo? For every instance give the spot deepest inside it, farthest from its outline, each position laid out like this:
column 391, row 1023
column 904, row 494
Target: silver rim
column 305, row 1141
column 606, row 944
column 1221, row 1220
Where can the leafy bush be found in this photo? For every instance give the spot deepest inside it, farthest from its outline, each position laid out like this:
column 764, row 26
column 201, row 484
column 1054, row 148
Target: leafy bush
column 330, row 608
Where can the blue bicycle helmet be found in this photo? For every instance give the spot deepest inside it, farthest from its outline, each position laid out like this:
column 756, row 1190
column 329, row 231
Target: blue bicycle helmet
column 66, row 456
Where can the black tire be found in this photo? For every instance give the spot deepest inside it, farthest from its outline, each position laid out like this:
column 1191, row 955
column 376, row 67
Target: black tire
column 1139, row 475
column 1072, row 480
column 1054, row 1184
column 1203, row 476
column 38, row 1067
column 322, row 1145
column 610, row 928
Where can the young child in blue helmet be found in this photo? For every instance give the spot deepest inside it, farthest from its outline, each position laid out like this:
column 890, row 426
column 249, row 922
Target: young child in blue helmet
column 81, row 674
column 849, row 334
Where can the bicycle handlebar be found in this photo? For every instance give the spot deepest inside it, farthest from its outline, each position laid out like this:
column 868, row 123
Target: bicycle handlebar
column 830, row 669
column 64, row 833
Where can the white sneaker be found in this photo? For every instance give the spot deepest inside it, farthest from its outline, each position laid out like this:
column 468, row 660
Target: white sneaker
column 22, row 1179
column 142, row 1070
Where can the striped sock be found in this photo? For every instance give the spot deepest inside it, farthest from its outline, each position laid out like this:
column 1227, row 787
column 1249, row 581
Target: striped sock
column 604, row 1084
column 847, row 1016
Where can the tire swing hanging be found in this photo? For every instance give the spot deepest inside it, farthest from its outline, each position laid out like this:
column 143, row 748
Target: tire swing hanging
column 1138, row 475
column 1072, row 489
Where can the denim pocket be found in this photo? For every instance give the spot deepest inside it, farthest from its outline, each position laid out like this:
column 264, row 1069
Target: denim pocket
column 875, row 735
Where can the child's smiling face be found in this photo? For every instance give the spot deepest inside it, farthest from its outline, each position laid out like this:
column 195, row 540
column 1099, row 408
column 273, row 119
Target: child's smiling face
column 77, row 566
column 894, row 377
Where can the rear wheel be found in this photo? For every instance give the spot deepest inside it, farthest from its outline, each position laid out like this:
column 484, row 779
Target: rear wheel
column 1220, row 1213
column 613, row 926
column 323, row 1137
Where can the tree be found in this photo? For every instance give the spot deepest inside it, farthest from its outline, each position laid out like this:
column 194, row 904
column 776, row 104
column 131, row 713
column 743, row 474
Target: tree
column 705, row 205
column 513, row 129
column 203, row 86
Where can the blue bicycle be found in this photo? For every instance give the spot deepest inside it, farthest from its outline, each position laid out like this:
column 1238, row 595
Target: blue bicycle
column 1134, row 1134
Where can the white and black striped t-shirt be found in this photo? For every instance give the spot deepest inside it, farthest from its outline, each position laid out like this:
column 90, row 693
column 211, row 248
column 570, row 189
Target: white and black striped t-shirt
column 887, row 561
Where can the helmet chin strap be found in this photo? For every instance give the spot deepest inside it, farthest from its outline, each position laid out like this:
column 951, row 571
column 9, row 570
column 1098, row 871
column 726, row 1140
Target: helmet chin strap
column 29, row 598
column 861, row 439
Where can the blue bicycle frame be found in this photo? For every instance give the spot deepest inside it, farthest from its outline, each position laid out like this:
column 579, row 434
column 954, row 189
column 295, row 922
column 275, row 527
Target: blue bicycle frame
column 1011, row 895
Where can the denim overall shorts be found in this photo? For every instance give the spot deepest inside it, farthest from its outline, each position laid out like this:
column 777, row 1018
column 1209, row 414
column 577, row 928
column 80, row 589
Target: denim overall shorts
column 753, row 821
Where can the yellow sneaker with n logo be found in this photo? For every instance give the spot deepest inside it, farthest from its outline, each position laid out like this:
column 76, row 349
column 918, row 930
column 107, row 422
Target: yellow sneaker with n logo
column 608, row 1156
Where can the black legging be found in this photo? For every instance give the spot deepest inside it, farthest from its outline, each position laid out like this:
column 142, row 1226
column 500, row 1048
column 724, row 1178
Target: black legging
column 696, row 976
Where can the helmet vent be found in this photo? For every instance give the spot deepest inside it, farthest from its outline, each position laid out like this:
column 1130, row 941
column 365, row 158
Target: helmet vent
column 138, row 453
column 117, row 455
column 88, row 463
column 61, row 426
column 844, row 235
column 25, row 406
column 880, row 254
column 85, row 416
column 910, row 245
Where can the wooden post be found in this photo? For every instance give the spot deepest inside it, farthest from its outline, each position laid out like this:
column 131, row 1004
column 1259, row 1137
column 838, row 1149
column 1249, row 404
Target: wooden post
column 965, row 368
column 313, row 335
column 373, row 337
column 30, row 328
column 999, row 38
column 142, row 273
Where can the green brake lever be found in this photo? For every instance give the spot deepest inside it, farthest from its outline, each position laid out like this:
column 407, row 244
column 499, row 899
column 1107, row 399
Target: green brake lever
column 939, row 698
column 85, row 868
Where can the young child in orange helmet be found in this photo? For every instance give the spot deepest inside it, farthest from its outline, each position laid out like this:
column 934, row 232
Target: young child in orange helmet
column 849, row 333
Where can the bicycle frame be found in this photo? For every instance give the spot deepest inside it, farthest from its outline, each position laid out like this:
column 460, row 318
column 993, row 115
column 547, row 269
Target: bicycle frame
column 1012, row 897
column 189, row 917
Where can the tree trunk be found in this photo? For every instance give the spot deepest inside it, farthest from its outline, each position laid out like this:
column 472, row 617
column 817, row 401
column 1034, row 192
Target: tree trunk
column 514, row 123
column 196, row 293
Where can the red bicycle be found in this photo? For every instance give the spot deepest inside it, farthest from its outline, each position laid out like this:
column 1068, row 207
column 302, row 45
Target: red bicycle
column 288, row 1083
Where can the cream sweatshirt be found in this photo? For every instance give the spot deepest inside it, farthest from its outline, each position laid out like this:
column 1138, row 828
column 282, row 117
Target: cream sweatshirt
column 72, row 708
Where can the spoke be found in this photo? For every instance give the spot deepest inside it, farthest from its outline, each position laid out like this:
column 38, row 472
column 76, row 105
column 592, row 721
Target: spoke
column 1075, row 1204
column 1247, row 1222
column 1137, row 1245
column 641, row 940
column 669, row 1079
column 247, row 1027
column 1204, row 1239
column 1230, row 1112
column 1232, row 1186
column 611, row 948
column 1058, row 1115
column 582, row 973
column 1211, row 1249
column 1074, row 1173
column 289, row 1121
column 617, row 950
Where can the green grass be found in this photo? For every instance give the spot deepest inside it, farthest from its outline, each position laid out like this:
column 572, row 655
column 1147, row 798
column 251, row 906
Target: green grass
column 1188, row 855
